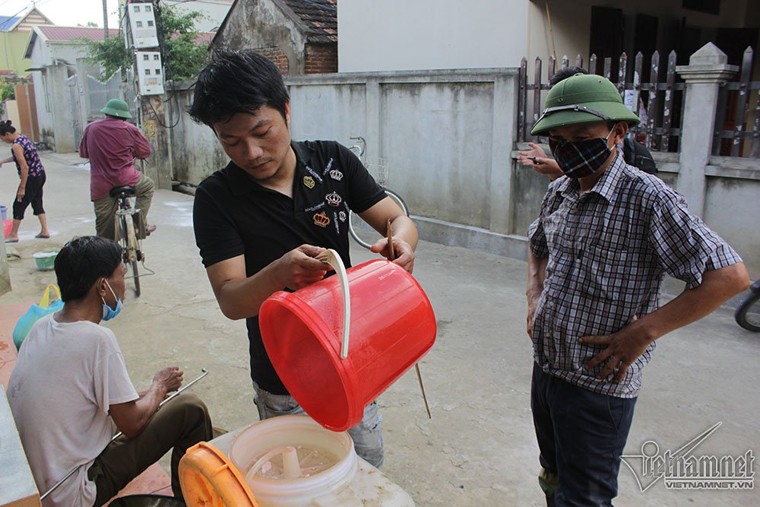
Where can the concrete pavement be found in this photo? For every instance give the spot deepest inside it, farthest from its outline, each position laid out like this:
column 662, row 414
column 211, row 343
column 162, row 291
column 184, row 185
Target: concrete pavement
column 479, row 448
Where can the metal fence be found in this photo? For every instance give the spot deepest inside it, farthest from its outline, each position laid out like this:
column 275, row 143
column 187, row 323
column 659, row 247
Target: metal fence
column 737, row 124
column 658, row 99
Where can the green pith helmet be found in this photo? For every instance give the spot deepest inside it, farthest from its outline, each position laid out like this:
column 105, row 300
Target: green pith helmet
column 582, row 98
column 118, row 108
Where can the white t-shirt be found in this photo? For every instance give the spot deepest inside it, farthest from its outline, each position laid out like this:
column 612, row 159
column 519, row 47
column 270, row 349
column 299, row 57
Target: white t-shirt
column 65, row 379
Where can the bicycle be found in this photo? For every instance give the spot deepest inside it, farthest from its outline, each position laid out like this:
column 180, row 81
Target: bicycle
column 128, row 221
column 355, row 224
column 748, row 313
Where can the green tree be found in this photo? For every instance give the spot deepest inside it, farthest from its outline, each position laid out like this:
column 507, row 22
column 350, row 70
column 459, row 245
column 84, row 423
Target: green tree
column 7, row 92
column 183, row 55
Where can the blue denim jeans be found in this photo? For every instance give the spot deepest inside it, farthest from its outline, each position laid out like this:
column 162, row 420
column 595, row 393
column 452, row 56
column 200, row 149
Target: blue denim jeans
column 581, row 436
column 367, row 435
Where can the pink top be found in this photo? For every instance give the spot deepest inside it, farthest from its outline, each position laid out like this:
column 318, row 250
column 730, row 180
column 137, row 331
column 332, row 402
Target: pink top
column 112, row 145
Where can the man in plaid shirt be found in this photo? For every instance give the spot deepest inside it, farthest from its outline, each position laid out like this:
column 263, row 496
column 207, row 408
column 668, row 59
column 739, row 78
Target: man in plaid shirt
column 606, row 236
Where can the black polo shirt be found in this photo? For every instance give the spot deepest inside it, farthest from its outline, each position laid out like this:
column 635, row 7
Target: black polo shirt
column 233, row 215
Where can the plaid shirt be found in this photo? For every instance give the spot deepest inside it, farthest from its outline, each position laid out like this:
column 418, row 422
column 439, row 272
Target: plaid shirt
column 609, row 249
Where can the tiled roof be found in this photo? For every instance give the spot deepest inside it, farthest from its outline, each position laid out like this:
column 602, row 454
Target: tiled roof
column 74, row 33
column 319, row 16
column 205, row 38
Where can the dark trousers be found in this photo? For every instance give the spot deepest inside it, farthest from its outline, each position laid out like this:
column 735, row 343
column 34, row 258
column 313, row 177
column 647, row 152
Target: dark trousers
column 32, row 195
column 581, row 436
column 179, row 424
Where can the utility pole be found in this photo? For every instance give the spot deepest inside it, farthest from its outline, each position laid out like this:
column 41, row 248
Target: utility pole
column 105, row 19
column 145, row 44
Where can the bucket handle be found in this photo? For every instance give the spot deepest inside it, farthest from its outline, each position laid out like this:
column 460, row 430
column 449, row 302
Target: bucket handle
column 331, row 257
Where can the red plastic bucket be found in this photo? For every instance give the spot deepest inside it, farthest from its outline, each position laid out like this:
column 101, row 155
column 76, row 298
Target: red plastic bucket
column 392, row 325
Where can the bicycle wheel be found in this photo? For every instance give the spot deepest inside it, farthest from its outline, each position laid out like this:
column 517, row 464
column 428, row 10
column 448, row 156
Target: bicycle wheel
column 748, row 313
column 362, row 232
column 131, row 242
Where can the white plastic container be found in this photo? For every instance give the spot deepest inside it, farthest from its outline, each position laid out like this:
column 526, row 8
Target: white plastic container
column 292, row 461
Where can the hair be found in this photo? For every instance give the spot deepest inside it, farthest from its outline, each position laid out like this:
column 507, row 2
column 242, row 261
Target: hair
column 565, row 73
column 237, row 82
column 82, row 261
column 6, row 128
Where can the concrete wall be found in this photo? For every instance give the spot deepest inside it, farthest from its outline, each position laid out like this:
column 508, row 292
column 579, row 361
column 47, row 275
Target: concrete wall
column 61, row 102
column 443, row 141
column 431, row 34
column 194, row 148
column 731, row 205
column 55, row 115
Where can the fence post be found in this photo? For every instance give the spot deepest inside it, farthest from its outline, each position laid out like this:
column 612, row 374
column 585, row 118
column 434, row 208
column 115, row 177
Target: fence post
column 706, row 72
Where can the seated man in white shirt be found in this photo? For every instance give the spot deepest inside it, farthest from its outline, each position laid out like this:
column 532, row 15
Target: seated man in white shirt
column 70, row 391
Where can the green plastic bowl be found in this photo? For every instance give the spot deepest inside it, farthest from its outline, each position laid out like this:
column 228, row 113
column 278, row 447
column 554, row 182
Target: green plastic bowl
column 45, row 260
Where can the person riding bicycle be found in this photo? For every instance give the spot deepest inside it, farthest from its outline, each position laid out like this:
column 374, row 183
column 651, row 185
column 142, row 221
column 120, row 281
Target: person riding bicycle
column 112, row 145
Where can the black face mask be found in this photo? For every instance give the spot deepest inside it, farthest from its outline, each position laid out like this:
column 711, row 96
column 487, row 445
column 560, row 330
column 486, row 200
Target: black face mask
column 582, row 158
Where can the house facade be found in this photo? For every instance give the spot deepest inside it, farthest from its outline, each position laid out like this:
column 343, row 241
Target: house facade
column 436, row 34
column 62, row 77
column 14, row 35
column 300, row 36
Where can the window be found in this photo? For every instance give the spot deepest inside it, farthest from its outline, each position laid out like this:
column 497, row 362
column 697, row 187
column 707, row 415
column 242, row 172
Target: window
column 136, row 8
column 146, row 58
column 708, row 6
column 147, row 8
column 138, row 24
column 158, row 72
column 147, row 72
column 150, row 22
column 156, row 57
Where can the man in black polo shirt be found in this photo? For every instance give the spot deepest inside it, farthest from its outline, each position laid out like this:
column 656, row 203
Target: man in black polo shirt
column 261, row 221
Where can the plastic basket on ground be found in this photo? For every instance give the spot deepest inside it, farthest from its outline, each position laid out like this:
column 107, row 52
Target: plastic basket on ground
column 391, row 326
column 45, row 261
column 7, row 226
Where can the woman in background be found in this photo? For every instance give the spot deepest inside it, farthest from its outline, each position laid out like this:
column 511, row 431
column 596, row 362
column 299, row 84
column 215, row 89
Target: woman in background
column 32, row 175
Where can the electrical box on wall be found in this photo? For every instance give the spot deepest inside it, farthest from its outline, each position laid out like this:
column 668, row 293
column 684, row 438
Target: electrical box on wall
column 150, row 74
column 142, row 23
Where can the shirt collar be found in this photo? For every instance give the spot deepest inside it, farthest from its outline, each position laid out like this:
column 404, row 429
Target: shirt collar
column 304, row 153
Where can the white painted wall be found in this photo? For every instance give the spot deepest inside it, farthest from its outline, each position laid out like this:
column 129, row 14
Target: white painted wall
column 40, row 58
column 213, row 11
column 385, row 35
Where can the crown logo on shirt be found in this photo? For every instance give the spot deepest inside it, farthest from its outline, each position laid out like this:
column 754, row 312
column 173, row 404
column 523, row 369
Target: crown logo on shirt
column 336, row 175
column 309, row 182
column 321, row 219
column 333, row 199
